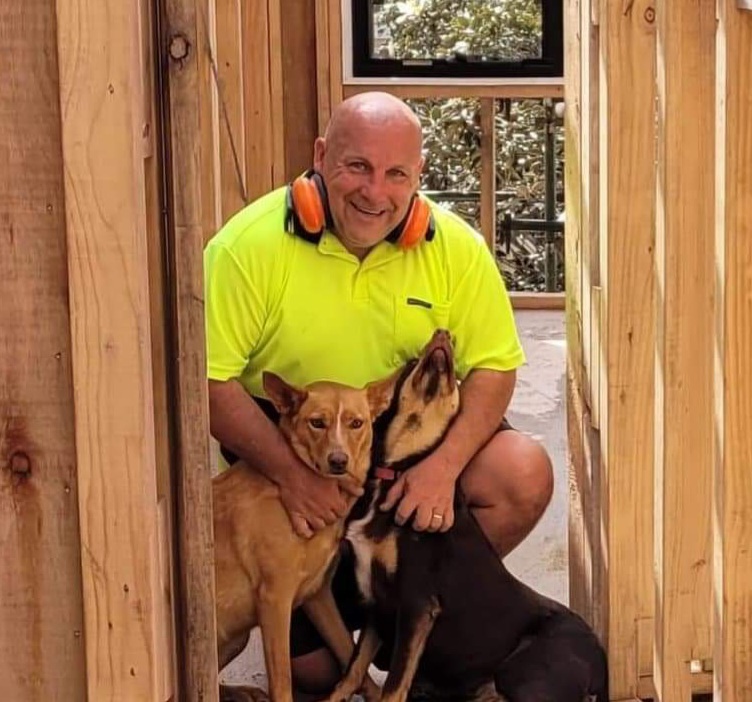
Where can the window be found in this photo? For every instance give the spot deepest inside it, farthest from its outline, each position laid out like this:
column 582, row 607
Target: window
column 457, row 39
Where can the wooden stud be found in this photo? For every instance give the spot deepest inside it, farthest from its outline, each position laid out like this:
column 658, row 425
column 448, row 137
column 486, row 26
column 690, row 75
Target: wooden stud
column 537, row 301
column 100, row 81
column 277, row 87
column 336, row 94
column 42, row 654
column 259, row 139
column 232, row 137
column 732, row 600
column 684, row 434
column 466, row 89
column 298, row 42
column 192, row 174
column 323, row 65
column 488, row 171
column 626, row 203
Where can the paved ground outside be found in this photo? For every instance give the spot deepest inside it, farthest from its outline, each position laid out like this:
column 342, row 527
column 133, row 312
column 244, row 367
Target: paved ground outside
column 538, row 409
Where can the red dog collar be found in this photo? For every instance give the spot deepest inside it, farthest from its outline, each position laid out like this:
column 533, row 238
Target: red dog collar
column 385, row 473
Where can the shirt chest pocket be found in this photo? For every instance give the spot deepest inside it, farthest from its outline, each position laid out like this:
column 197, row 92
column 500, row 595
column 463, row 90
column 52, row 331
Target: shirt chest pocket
column 415, row 321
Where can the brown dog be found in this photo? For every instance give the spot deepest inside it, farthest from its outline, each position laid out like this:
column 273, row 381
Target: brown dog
column 263, row 569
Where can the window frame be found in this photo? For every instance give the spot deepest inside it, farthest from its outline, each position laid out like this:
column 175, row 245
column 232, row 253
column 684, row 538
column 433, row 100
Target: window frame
column 364, row 67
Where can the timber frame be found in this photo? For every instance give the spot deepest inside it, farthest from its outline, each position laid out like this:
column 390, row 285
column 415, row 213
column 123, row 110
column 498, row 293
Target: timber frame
column 136, row 129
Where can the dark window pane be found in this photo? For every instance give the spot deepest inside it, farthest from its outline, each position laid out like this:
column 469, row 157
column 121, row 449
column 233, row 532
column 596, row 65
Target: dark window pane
column 493, row 30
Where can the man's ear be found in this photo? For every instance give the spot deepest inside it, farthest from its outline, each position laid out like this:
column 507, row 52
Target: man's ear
column 319, row 150
column 380, row 393
column 286, row 398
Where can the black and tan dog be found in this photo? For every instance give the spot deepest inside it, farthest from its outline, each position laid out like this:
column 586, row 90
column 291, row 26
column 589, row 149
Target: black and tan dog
column 458, row 620
column 262, row 568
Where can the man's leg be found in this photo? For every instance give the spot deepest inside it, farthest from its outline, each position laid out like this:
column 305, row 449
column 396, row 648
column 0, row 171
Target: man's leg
column 315, row 674
column 508, row 485
column 315, row 670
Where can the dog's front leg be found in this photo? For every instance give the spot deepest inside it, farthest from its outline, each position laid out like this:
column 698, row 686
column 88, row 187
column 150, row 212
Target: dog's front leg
column 275, row 609
column 368, row 645
column 414, row 625
column 322, row 610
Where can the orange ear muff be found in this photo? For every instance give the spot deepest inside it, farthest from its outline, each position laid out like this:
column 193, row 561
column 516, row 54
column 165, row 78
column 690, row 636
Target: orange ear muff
column 307, row 205
column 417, row 225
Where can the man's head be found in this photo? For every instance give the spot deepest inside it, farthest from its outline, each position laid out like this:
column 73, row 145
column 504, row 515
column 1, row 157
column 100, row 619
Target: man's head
column 370, row 158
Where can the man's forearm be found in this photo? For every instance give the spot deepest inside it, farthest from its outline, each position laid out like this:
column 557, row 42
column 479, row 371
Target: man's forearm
column 485, row 396
column 238, row 423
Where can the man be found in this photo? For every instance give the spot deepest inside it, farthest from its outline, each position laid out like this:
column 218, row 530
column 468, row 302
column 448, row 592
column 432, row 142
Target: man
column 350, row 306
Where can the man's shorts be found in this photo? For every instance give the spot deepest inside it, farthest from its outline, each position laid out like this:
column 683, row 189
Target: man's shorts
column 304, row 637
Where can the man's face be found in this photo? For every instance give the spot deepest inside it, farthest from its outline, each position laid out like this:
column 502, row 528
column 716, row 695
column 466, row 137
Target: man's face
column 371, row 173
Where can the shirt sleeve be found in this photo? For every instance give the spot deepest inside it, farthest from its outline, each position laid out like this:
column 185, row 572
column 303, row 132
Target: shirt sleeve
column 481, row 318
column 234, row 313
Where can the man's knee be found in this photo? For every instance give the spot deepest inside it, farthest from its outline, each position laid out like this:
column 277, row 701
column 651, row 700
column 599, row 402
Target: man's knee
column 315, row 673
column 512, row 468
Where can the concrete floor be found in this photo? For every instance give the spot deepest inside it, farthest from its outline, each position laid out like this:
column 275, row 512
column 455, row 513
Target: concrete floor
column 537, row 409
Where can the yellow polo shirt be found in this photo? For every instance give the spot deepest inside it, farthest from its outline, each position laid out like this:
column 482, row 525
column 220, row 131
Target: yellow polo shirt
column 313, row 312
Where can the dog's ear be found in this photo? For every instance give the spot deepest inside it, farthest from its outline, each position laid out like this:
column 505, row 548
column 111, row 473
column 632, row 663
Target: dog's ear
column 286, row 398
column 380, row 393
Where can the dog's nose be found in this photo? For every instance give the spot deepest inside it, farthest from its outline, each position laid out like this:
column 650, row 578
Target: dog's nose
column 338, row 462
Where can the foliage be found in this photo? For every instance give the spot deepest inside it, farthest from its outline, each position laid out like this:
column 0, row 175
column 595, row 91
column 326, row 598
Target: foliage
column 452, row 126
column 498, row 29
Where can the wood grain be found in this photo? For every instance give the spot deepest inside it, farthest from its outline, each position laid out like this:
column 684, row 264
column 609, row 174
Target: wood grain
column 100, row 87
column 732, row 601
column 627, row 234
column 42, row 654
column 684, row 436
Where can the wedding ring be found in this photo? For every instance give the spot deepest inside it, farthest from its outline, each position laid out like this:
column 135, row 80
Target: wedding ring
column 440, row 517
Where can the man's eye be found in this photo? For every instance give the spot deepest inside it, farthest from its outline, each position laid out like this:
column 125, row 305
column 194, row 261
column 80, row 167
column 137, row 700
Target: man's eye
column 317, row 423
column 356, row 424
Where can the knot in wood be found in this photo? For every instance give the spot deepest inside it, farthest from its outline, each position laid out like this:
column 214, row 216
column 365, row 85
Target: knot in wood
column 20, row 464
column 179, row 47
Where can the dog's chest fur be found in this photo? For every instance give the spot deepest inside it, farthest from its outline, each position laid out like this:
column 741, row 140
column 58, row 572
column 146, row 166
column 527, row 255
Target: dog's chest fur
column 372, row 545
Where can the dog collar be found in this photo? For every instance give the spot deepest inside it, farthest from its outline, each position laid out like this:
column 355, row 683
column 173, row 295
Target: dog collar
column 385, row 473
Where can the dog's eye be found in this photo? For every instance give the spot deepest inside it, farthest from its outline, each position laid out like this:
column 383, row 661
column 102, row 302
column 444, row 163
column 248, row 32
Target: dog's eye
column 356, row 424
column 317, row 423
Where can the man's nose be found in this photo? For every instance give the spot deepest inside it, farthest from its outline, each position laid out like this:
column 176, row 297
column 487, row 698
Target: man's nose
column 374, row 186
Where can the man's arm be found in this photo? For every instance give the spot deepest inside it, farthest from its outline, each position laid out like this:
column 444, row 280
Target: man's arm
column 428, row 487
column 484, row 398
column 240, row 425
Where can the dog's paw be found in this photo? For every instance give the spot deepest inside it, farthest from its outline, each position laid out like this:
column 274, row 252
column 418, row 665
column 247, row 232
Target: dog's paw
column 242, row 693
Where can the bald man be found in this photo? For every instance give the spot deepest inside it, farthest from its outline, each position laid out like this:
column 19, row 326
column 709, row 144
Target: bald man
column 349, row 293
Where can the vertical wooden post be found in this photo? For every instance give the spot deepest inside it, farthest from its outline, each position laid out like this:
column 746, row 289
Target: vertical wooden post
column 684, row 343
column 627, row 224
column 580, row 556
column 299, row 79
column 232, row 137
column 101, row 98
column 257, row 90
column 42, row 654
column 732, row 601
column 323, row 65
column 193, row 177
column 488, row 171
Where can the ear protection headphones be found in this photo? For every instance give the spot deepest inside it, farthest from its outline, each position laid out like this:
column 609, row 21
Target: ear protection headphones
column 308, row 214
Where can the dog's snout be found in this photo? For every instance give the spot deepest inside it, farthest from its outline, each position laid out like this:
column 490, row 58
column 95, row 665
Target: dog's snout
column 337, row 462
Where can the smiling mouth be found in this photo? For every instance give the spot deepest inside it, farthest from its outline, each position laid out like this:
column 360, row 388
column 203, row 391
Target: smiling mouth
column 367, row 212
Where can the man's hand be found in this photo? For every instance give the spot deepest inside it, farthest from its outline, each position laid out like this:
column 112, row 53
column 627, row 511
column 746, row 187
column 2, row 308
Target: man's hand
column 426, row 489
column 313, row 502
